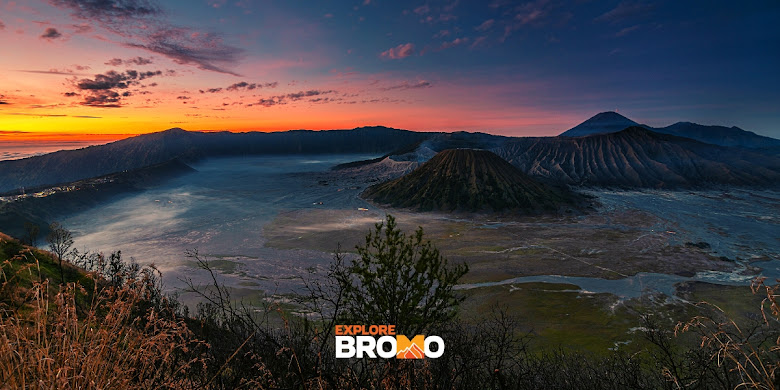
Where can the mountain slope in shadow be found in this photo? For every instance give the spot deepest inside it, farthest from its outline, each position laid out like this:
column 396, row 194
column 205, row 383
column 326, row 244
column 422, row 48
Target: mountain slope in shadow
column 638, row 157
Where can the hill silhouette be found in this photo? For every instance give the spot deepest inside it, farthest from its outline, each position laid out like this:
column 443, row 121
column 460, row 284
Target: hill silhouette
column 468, row 180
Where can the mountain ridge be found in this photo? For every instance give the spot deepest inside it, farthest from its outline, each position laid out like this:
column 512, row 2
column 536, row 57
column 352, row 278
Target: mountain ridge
column 611, row 122
column 154, row 148
column 639, row 158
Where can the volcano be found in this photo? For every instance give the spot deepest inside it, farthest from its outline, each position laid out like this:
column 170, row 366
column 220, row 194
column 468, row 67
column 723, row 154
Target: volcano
column 469, row 180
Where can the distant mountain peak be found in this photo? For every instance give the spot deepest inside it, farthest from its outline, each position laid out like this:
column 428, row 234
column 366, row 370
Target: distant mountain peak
column 603, row 122
column 175, row 130
column 608, row 116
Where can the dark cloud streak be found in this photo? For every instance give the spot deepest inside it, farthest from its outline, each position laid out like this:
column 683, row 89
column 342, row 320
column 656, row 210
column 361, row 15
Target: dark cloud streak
column 407, row 85
column 112, row 10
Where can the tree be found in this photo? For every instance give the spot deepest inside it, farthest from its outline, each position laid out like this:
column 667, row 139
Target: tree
column 399, row 280
column 60, row 241
column 31, row 232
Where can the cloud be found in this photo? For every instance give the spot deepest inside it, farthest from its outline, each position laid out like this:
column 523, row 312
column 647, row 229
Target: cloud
column 486, row 25
column 102, row 90
column 183, row 97
column 626, row 10
column 114, row 62
column 67, row 72
column 51, row 33
column 71, row 94
column 107, row 99
column 113, row 79
column 81, row 28
column 2, row 25
column 111, row 10
column 302, row 94
column 140, row 61
column 399, row 52
column 295, row 96
column 4, row 102
column 477, row 42
column 207, row 51
column 243, row 85
column 422, row 10
column 407, row 85
column 453, row 43
column 627, row 30
column 441, row 34
column 40, row 115
column 141, row 24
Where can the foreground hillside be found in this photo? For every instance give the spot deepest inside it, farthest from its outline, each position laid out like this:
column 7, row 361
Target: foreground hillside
column 469, row 180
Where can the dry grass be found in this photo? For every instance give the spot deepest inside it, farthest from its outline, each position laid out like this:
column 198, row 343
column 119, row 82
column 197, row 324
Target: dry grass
column 751, row 352
column 49, row 342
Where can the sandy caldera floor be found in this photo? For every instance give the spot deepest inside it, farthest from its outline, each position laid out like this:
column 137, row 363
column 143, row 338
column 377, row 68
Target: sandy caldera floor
column 603, row 244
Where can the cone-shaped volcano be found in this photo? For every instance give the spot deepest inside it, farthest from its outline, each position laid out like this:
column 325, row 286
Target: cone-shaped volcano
column 469, row 180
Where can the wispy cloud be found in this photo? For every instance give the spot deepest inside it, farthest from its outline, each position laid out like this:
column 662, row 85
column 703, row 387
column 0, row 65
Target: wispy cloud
column 112, row 10
column 627, row 30
column 243, row 85
column 486, row 25
column 141, row 24
column 422, row 10
column 140, row 61
column 292, row 97
column 399, row 52
column 206, row 51
column 453, row 43
column 626, row 10
column 2, row 25
column 407, row 85
column 67, row 72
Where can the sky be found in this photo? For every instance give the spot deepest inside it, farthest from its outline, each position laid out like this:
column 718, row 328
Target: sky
column 104, row 68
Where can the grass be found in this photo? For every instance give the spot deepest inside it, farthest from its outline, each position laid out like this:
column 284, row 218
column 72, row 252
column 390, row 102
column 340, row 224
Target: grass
column 84, row 333
column 558, row 316
column 221, row 265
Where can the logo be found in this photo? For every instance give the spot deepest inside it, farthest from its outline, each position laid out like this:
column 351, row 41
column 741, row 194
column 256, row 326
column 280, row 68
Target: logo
column 359, row 341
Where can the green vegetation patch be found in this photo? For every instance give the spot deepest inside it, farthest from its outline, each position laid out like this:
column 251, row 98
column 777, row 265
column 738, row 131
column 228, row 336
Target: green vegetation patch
column 557, row 314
